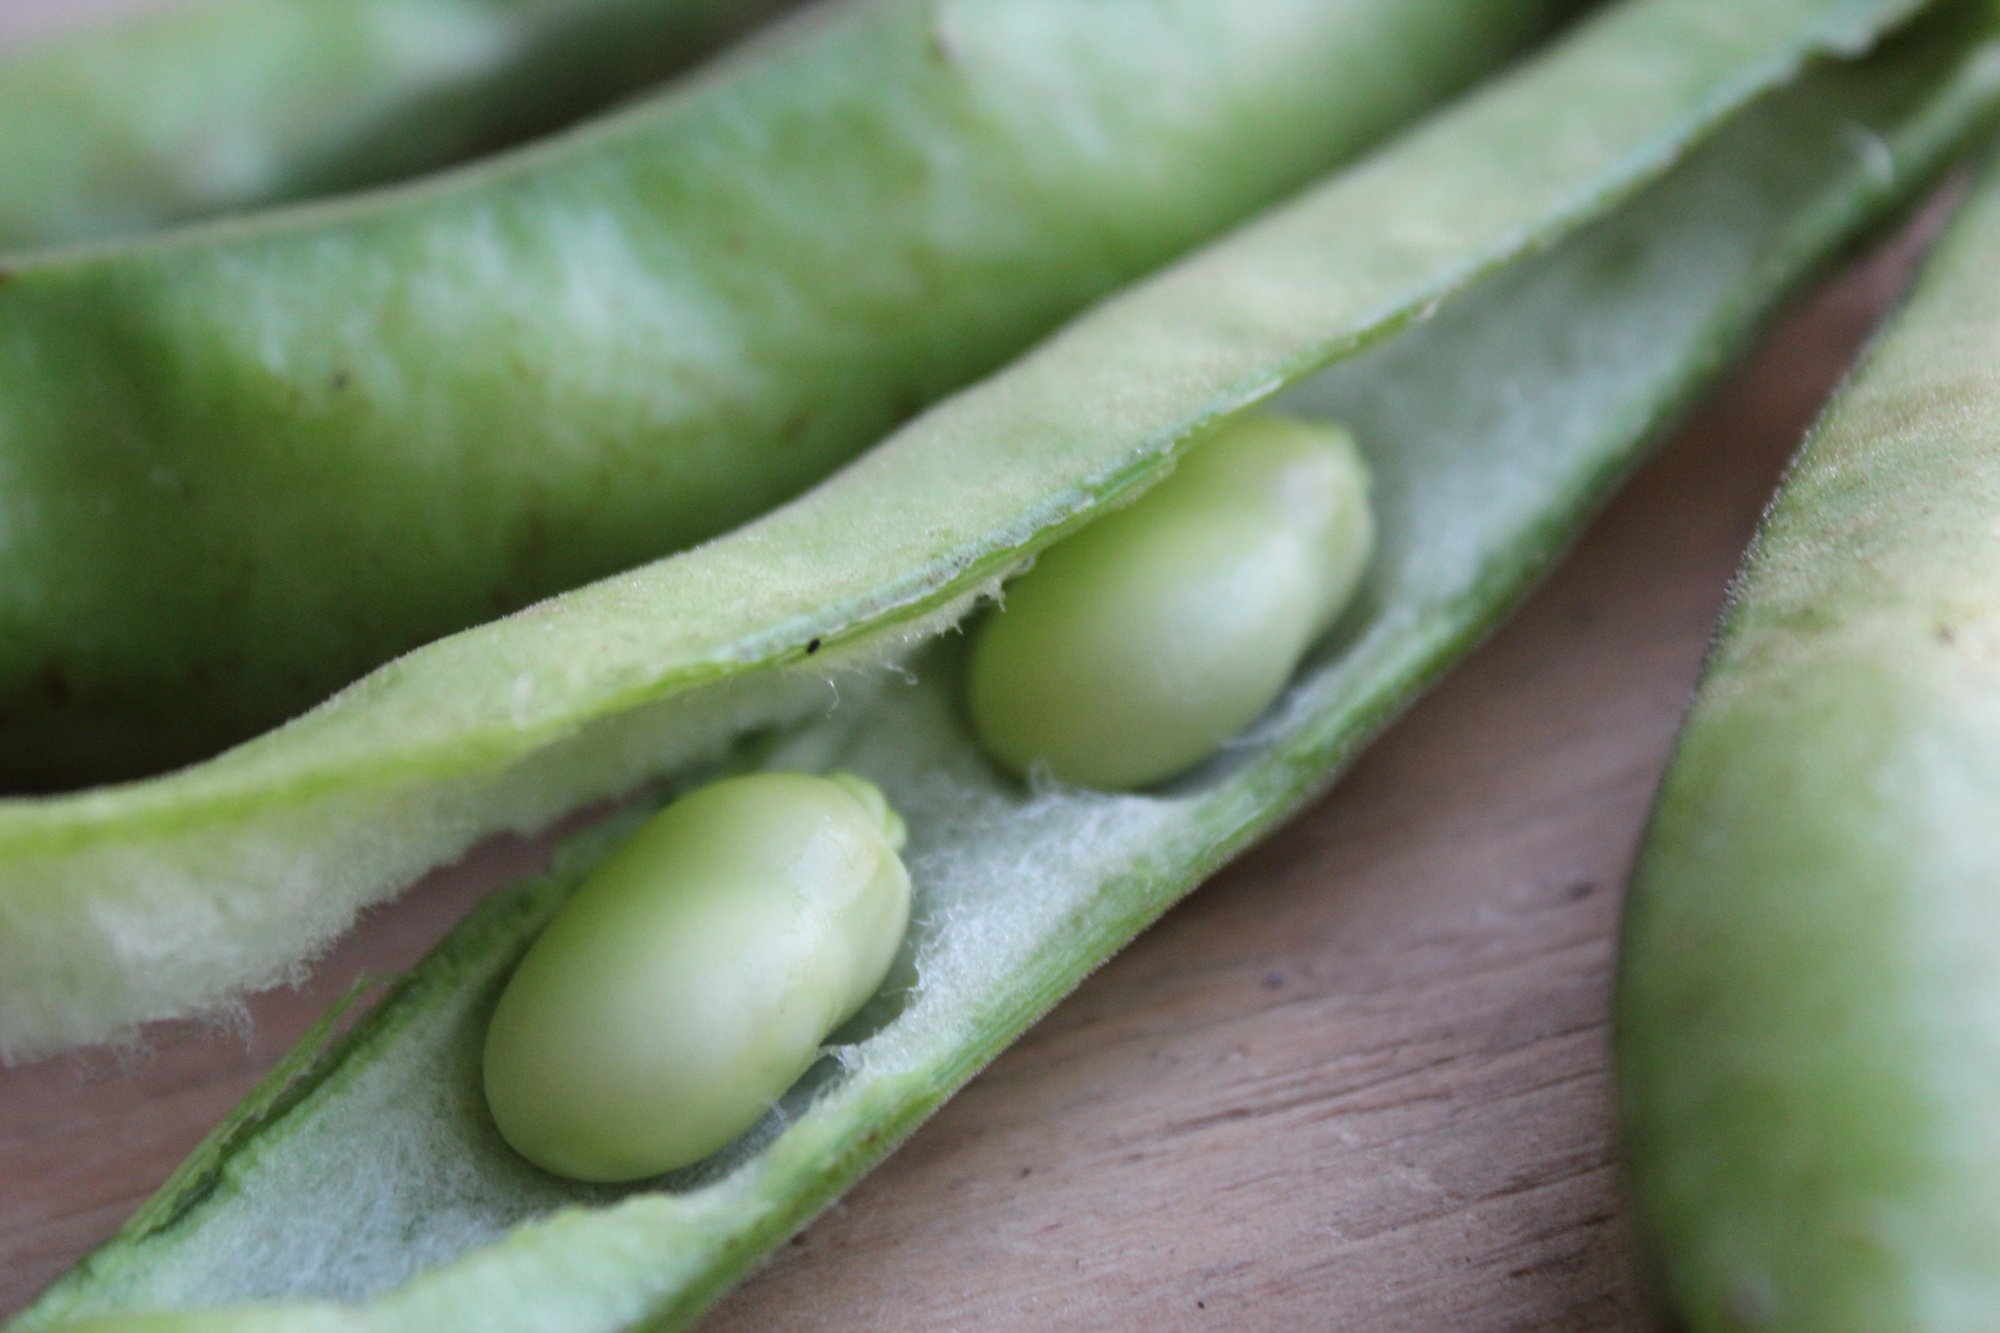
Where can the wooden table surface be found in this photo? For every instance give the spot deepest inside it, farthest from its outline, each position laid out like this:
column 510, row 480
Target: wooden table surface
column 1359, row 1081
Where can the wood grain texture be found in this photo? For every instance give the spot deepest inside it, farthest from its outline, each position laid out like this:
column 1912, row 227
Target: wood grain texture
column 1358, row 1082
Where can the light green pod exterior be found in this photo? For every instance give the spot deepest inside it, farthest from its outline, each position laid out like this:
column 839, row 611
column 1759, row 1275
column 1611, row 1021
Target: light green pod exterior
column 242, row 465
column 292, row 1319
column 693, row 976
column 1809, row 998
column 220, row 105
column 1135, row 649
column 1587, row 299
column 166, row 897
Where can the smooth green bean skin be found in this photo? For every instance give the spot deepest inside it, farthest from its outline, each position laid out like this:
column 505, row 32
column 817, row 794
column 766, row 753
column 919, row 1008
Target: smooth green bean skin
column 244, row 464
column 693, row 977
column 1136, row 648
column 221, row 105
column 1808, row 1023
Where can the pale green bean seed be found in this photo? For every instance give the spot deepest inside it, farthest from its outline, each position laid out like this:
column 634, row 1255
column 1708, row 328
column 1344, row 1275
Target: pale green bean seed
column 1134, row 649
column 694, row 975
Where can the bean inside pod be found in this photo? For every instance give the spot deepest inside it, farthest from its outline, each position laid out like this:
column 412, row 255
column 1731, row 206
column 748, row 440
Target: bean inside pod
column 692, row 978
column 1135, row 649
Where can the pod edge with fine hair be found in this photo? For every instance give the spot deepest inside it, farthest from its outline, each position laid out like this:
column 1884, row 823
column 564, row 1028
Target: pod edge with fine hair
column 155, row 899
column 1807, row 1048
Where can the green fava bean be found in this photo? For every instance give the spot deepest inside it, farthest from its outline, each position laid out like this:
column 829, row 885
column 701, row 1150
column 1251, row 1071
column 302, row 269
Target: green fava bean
column 695, row 974
column 1136, row 648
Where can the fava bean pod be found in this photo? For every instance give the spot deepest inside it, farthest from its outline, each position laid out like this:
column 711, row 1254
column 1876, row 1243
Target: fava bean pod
column 1596, row 233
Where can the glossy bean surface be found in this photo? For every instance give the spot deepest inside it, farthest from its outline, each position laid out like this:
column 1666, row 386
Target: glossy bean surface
column 693, row 977
column 1136, row 648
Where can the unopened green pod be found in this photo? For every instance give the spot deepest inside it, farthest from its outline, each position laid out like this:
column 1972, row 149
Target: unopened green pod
column 1493, row 430
column 1808, row 1027
column 215, row 106
column 691, row 979
column 1135, row 649
column 246, row 463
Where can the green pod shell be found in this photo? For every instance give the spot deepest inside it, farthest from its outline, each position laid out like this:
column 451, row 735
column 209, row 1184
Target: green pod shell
column 168, row 896
column 694, row 974
column 1494, row 429
column 246, row 463
column 254, row 1319
column 1135, row 649
column 220, row 105
column 1808, row 1022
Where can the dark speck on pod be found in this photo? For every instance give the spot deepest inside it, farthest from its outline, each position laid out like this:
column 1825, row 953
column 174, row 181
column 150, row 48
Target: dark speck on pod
column 55, row 684
column 341, row 380
column 812, row 647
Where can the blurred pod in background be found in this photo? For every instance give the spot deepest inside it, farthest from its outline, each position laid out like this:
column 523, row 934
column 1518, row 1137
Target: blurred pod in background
column 246, row 463
column 191, row 109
